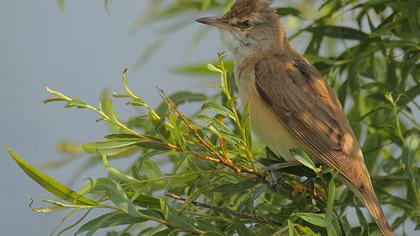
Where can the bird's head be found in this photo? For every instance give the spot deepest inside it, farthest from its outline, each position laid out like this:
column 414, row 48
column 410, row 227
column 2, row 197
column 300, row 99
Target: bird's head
column 249, row 27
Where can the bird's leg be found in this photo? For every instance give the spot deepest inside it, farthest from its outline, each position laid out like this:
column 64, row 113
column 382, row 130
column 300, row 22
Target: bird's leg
column 273, row 168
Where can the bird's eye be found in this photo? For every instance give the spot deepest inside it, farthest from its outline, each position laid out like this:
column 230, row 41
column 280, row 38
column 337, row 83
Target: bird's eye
column 247, row 24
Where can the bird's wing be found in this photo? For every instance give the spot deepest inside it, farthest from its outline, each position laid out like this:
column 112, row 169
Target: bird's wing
column 299, row 96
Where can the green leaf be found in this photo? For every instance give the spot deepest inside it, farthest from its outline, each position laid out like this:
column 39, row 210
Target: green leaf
column 330, row 208
column 240, row 228
column 220, row 128
column 411, row 147
column 110, row 147
column 179, row 219
column 292, row 230
column 115, row 146
column 147, row 201
column 179, row 98
column 164, row 208
column 219, row 109
column 235, row 188
column 107, row 4
column 166, row 232
column 192, row 197
column 246, row 124
column 345, row 225
column 50, row 184
column 121, row 136
column 211, row 234
column 154, row 144
column 107, row 221
column 313, row 218
column 363, row 222
column 303, row 158
column 110, row 144
column 392, row 79
column 75, row 102
column 338, row 32
column 206, row 4
column 57, row 99
column 61, row 5
column 413, row 17
column 115, row 193
column 118, row 173
column 313, row 47
column 213, row 68
column 200, row 69
column 284, row 11
column 47, row 209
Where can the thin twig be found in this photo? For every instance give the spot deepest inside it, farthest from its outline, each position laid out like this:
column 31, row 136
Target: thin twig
column 226, row 211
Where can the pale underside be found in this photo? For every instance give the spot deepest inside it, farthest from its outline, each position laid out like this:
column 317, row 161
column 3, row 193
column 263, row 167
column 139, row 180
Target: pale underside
column 265, row 125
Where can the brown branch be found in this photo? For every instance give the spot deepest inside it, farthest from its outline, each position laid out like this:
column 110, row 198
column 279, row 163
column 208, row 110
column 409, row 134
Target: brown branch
column 226, row 211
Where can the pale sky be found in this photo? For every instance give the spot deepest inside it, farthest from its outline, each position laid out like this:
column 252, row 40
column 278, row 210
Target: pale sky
column 79, row 52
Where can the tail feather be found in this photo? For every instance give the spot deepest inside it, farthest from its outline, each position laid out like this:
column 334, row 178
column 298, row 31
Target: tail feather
column 357, row 178
column 368, row 197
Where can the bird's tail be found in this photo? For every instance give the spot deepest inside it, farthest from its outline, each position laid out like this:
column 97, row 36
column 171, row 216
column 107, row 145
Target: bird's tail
column 368, row 197
column 371, row 202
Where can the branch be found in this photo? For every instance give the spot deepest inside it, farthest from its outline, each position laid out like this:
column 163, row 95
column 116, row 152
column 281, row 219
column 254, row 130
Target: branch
column 226, row 211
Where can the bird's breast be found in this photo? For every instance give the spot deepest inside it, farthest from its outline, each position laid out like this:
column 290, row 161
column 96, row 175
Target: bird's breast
column 264, row 123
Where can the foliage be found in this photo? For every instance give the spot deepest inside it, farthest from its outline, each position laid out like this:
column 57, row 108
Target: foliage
column 203, row 173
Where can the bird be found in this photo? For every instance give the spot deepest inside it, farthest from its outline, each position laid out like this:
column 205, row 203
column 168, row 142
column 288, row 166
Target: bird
column 291, row 106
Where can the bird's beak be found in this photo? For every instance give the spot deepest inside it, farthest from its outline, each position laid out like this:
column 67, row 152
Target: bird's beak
column 215, row 22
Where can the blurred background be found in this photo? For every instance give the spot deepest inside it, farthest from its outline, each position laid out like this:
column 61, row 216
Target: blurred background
column 81, row 51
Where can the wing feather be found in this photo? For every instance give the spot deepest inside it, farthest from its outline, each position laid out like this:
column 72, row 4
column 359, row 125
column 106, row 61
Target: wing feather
column 299, row 96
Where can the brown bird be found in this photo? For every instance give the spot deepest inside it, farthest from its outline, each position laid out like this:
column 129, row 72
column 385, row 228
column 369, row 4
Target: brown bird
column 291, row 105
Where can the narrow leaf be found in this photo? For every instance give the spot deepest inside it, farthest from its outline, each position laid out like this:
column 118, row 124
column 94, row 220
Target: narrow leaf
column 284, row 11
column 219, row 109
column 338, row 32
column 330, row 208
column 116, row 194
column 179, row 98
column 118, row 173
column 108, row 220
column 313, row 218
column 241, row 229
column 303, row 158
column 50, row 184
